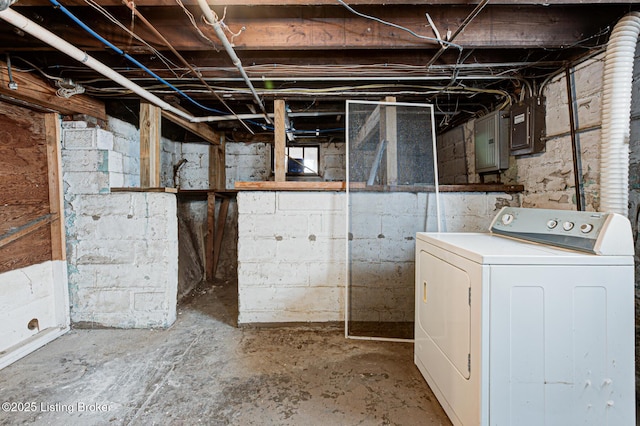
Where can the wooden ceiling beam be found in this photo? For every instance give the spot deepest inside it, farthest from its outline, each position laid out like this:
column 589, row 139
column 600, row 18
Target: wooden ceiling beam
column 34, row 90
column 314, row 28
column 153, row 3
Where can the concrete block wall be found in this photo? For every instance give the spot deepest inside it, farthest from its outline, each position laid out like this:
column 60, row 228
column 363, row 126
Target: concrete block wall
column 123, row 262
column 291, row 256
column 292, row 250
column 333, row 161
column 247, row 162
column 122, row 249
column 192, row 174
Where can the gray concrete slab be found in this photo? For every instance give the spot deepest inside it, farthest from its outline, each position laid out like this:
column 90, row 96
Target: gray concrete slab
column 205, row 370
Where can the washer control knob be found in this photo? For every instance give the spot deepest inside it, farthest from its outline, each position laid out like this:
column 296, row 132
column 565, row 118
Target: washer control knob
column 552, row 223
column 567, row 226
column 507, row 218
column 586, row 228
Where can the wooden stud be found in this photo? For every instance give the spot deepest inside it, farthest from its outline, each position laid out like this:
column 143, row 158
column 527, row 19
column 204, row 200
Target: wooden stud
column 211, row 221
column 221, row 220
column 150, row 121
column 217, row 166
column 56, row 203
column 280, row 141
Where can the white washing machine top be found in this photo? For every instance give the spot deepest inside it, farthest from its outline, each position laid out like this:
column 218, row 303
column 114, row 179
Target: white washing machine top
column 540, row 236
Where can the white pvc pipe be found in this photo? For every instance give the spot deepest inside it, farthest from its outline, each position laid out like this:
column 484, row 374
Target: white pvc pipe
column 56, row 42
column 616, row 115
column 212, row 19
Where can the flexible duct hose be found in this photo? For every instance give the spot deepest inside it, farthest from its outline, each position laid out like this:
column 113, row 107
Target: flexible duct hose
column 616, row 115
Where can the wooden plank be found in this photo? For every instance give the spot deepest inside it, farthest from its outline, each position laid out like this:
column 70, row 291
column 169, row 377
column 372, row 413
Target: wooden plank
column 199, row 129
column 146, row 189
column 255, row 3
column 150, row 116
column 298, row 27
column 56, row 203
column 371, row 123
column 290, row 186
column 35, row 90
column 217, row 166
column 23, row 252
column 340, row 186
column 221, row 220
column 26, row 229
column 389, row 132
column 280, row 141
column 211, row 220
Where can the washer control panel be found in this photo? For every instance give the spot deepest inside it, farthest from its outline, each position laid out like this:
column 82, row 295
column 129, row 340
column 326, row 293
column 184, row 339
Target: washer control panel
column 569, row 229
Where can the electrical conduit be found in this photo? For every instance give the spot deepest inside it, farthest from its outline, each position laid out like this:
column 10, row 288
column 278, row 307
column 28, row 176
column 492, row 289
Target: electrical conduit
column 616, row 115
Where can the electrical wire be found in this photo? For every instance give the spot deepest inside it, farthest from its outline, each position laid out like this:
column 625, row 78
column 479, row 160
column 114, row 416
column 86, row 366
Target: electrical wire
column 192, row 19
column 391, row 24
column 116, row 49
column 168, row 63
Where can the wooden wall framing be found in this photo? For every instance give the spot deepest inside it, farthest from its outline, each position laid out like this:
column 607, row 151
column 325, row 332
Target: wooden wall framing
column 31, row 206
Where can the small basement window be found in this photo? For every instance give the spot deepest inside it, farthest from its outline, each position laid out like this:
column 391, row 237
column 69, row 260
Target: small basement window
column 302, row 160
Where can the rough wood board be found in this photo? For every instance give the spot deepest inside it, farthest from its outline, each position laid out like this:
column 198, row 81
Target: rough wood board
column 150, row 121
column 26, row 229
column 291, row 186
column 24, row 194
column 36, row 91
column 155, row 189
column 217, row 169
column 54, row 168
column 211, row 212
column 221, row 221
column 280, row 140
column 31, row 250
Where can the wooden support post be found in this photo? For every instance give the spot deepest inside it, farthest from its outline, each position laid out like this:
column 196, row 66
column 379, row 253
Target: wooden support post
column 221, row 220
column 280, row 141
column 217, row 166
column 56, row 203
column 211, row 221
column 150, row 119
column 389, row 132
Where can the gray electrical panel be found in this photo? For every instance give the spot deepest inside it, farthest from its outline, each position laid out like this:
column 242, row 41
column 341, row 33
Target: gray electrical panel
column 527, row 126
column 492, row 142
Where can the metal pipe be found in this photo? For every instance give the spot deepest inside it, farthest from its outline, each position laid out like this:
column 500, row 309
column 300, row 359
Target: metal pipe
column 213, row 21
column 577, row 170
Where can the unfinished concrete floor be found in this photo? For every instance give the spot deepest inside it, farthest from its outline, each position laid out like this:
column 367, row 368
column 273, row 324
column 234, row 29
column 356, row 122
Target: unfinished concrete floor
column 205, row 370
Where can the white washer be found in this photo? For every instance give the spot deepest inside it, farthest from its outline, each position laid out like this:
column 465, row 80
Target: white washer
column 512, row 332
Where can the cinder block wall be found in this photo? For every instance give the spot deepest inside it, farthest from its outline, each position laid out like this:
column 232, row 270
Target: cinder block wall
column 122, row 248
column 123, row 267
column 292, row 250
column 249, row 162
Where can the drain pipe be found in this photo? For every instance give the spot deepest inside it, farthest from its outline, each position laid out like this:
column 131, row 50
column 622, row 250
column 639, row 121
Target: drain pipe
column 42, row 34
column 616, row 115
column 213, row 21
